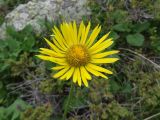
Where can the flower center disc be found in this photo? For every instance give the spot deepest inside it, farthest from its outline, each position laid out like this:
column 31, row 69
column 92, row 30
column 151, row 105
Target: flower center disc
column 77, row 55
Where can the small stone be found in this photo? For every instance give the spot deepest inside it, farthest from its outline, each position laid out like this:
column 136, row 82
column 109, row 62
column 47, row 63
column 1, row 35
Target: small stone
column 24, row 15
column 38, row 10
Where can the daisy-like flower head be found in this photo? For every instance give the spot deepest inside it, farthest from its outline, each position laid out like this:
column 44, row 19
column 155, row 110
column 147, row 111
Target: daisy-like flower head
column 76, row 53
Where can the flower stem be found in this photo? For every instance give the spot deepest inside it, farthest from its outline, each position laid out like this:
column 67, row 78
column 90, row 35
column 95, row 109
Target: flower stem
column 68, row 101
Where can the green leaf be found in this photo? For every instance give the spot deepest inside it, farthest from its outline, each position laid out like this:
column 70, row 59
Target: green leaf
column 2, row 44
column 140, row 27
column 13, row 44
column 2, row 55
column 49, row 65
column 28, row 43
column 135, row 39
column 14, row 47
column 122, row 27
column 4, row 66
column 114, row 35
column 1, row 85
column 78, row 100
column 119, row 15
column 12, row 32
column 1, row 19
column 16, row 108
column 14, row 111
column 3, row 93
column 127, row 88
column 28, row 30
column 2, row 113
column 114, row 86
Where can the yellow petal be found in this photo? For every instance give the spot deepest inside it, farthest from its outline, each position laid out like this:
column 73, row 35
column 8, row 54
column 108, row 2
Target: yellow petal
column 85, row 81
column 60, row 73
column 68, row 74
column 79, row 77
column 93, row 36
column 81, row 27
column 43, row 57
column 100, row 41
column 104, row 54
column 71, row 32
column 53, row 46
column 83, row 76
column 96, row 73
column 52, row 59
column 58, row 36
column 75, row 32
column 59, row 44
column 98, row 68
column 66, row 35
column 101, row 47
column 104, row 60
column 75, row 75
column 58, row 67
column 51, row 52
column 85, row 73
column 85, row 34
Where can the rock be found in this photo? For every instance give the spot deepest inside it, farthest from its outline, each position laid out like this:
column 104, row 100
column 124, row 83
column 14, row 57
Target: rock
column 37, row 10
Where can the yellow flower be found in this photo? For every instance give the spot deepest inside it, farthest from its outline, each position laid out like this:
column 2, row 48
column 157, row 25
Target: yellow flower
column 76, row 53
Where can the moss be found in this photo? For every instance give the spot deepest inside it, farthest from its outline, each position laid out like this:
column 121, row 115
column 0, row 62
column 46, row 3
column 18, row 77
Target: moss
column 145, row 81
column 149, row 88
column 111, row 111
column 43, row 112
column 46, row 86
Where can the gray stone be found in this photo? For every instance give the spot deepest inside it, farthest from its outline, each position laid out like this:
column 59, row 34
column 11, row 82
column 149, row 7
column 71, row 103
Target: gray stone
column 36, row 10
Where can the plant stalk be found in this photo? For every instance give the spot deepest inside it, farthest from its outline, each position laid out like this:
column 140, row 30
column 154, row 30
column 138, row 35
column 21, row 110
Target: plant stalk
column 68, row 102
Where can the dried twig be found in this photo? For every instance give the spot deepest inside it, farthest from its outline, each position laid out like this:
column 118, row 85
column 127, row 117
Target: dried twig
column 143, row 57
column 153, row 116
